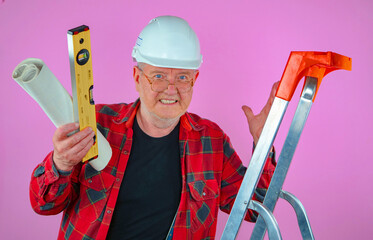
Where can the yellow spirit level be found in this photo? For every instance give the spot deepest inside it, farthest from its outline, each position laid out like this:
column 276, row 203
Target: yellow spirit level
column 79, row 44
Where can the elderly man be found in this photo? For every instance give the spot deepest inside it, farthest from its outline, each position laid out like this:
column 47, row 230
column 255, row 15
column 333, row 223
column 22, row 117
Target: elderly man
column 170, row 170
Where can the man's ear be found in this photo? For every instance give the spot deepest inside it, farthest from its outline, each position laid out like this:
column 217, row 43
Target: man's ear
column 136, row 76
column 196, row 74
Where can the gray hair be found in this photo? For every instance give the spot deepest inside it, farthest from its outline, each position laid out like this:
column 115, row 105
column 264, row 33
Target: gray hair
column 141, row 65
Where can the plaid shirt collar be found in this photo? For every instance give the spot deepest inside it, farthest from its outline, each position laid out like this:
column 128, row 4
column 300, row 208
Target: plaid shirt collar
column 187, row 120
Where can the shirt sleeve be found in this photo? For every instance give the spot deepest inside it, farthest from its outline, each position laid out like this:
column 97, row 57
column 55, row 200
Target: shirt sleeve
column 232, row 176
column 52, row 190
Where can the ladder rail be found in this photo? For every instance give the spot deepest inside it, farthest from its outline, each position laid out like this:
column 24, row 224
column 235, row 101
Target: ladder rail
column 255, row 168
column 287, row 153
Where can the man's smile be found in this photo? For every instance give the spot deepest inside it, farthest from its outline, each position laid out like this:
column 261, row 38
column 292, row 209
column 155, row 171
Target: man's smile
column 167, row 101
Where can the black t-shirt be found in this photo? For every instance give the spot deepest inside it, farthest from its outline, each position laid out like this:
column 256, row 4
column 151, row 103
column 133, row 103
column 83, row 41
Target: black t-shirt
column 150, row 192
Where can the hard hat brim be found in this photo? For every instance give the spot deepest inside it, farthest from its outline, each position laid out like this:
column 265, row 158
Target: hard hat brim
column 166, row 63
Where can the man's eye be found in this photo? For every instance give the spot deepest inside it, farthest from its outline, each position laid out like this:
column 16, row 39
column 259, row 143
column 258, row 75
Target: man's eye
column 158, row 76
column 183, row 78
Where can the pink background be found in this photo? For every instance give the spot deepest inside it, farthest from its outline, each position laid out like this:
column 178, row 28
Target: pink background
column 245, row 45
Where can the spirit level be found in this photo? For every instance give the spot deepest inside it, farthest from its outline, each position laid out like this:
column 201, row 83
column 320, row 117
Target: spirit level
column 79, row 44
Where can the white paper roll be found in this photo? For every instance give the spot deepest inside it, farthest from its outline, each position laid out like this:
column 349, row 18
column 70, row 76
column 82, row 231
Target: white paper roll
column 41, row 84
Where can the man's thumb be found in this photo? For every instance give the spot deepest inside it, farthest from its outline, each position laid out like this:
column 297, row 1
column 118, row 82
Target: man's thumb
column 248, row 112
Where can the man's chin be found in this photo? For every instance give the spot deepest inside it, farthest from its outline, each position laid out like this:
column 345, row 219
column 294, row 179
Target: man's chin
column 169, row 117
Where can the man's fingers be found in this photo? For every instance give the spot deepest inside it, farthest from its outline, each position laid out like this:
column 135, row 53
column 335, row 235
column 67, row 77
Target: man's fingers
column 79, row 136
column 73, row 155
column 69, row 150
column 63, row 145
column 248, row 112
column 86, row 146
column 62, row 131
column 273, row 91
column 271, row 98
column 79, row 146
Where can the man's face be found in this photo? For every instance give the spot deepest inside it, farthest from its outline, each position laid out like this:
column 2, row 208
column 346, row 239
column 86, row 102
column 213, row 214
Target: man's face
column 169, row 104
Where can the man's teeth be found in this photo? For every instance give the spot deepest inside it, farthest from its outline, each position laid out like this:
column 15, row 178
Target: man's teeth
column 168, row 101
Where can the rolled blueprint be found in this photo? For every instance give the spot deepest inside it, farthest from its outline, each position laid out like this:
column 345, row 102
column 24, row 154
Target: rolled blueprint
column 41, row 84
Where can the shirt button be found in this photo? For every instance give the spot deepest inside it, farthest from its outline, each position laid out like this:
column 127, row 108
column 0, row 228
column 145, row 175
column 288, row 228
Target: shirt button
column 125, row 152
column 109, row 211
column 90, row 181
column 118, row 179
column 203, row 194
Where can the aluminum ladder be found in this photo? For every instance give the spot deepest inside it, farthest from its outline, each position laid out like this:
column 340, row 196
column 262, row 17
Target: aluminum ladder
column 313, row 66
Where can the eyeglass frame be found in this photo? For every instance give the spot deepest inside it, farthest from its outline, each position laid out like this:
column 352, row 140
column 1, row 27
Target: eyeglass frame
column 151, row 83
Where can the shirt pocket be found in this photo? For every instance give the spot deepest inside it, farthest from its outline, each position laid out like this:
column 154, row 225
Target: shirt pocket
column 94, row 191
column 203, row 203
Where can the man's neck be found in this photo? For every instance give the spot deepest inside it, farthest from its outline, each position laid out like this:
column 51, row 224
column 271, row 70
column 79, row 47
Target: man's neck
column 154, row 126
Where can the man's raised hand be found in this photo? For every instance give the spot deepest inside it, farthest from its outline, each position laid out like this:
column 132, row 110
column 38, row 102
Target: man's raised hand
column 70, row 150
column 256, row 122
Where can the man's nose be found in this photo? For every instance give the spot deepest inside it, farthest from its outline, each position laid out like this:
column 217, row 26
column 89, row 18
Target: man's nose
column 171, row 89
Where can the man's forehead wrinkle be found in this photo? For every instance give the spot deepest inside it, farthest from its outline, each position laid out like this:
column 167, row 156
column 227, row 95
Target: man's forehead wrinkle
column 170, row 70
column 186, row 72
column 158, row 71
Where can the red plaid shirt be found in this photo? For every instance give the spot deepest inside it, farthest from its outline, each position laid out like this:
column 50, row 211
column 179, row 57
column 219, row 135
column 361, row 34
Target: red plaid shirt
column 211, row 176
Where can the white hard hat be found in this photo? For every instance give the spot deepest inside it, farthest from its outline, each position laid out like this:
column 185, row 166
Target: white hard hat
column 169, row 42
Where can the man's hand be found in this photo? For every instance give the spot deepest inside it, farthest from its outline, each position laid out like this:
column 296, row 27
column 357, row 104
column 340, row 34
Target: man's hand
column 256, row 122
column 70, row 150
